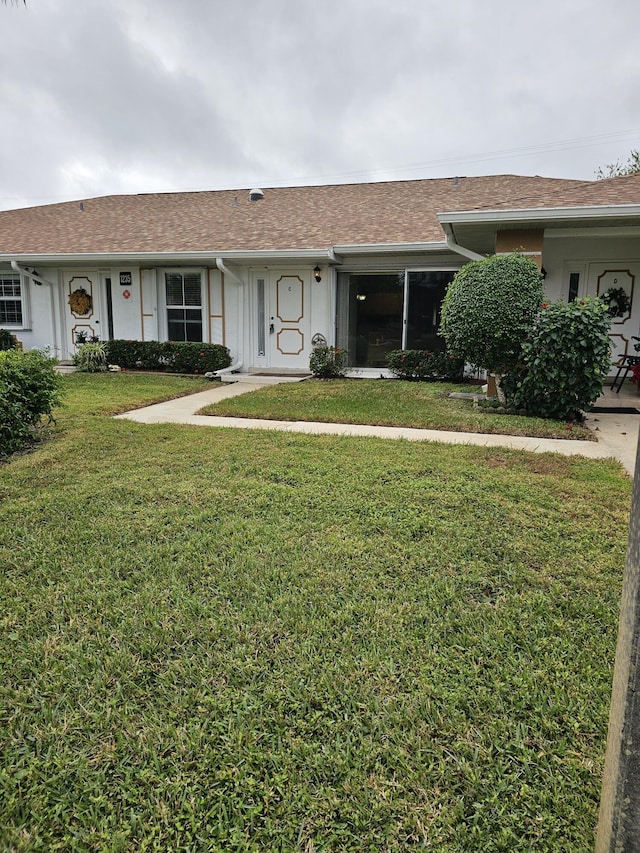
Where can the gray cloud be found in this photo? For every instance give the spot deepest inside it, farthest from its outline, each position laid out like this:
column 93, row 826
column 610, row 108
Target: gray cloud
column 157, row 95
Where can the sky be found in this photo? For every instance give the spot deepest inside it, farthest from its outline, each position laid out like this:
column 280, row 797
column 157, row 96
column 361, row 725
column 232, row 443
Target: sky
column 99, row 97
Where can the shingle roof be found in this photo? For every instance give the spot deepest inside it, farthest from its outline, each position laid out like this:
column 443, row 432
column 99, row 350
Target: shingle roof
column 288, row 218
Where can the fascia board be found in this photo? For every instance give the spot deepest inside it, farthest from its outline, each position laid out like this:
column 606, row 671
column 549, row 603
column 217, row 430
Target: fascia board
column 384, row 248
column 540, row 214
column 142, row 258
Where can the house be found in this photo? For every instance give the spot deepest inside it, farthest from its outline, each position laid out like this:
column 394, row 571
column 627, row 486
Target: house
column 271, row 272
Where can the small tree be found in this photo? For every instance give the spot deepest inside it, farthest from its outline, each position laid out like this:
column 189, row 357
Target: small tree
column 489, row 310
column 566, row 360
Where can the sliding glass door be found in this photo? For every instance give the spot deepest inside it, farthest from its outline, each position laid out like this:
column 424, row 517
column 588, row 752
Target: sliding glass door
column 381, row 312
column 423, row 303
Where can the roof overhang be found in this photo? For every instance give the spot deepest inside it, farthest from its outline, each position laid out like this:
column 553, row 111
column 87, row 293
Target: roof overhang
column 241, row 257
column 543, row 215
column 244, row 257
column 476, row 229
column 350, row 249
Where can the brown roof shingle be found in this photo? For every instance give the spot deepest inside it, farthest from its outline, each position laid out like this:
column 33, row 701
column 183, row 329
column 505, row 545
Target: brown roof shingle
column 288, row 218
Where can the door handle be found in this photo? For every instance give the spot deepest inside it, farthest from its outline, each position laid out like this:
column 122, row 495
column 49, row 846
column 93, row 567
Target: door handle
column 271, row 328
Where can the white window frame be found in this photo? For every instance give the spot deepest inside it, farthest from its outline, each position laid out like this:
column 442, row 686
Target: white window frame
column 162, row 297
column 23, row 298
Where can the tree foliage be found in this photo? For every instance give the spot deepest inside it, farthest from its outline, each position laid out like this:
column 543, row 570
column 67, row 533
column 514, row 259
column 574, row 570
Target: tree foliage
column 618, row 169
column 489, row 310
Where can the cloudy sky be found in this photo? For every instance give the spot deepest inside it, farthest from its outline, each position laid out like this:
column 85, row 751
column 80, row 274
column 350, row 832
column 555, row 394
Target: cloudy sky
column 127, row 96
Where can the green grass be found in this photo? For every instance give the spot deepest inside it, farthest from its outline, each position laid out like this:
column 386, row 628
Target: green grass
column 249, row 641
column 385, row 403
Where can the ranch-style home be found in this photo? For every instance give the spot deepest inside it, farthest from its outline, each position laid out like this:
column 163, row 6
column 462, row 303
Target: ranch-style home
column 269, row 273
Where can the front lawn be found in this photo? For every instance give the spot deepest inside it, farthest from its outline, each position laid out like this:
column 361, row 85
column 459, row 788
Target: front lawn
column 424, row 405
column 248, row 641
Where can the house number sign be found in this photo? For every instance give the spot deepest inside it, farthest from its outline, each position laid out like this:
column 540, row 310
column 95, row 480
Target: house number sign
column 125, row 279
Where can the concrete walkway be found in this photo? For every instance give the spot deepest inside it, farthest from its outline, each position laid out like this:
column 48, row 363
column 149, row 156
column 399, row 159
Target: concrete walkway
column 617, row 433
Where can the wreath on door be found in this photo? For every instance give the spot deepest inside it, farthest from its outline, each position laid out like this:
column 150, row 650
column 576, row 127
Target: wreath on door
column 616, row 300
column 80, row 302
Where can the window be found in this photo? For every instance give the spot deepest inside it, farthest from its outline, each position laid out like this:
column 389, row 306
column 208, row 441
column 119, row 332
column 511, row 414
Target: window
column 426, row 290
column 184, row 306
column 574, row 284
column 381, row 312
column 11, row 313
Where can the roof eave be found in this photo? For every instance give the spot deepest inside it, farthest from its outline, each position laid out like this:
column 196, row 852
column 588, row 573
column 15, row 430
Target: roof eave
column 141, row 258
column 390, row 248
column 541, row 214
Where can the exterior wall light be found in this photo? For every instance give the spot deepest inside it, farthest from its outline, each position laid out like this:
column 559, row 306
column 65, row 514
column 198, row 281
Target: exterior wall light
column 316, row 273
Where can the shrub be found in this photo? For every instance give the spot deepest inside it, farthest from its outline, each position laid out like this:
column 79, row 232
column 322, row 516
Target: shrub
column 91, row 358
column 489, row 310
column 328, row 362
column 29, row 389
column 7, row 341
column 424, row 365
column 168, row 356
column 565, row 361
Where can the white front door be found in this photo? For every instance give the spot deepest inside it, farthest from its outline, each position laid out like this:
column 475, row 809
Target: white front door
column 603, row 277
column 288, row 320
column 81, row 310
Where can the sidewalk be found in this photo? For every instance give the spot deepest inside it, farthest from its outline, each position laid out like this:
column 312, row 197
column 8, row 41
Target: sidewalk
column 617, row 433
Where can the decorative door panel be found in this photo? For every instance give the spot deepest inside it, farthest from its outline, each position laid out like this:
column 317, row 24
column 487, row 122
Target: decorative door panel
column 81, row 310
column 615, row 277
column 289, row 339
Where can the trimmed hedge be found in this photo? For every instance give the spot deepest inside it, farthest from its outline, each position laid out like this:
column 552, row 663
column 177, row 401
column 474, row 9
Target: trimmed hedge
column 29, row 389
column 168, row 356
column 424, row 365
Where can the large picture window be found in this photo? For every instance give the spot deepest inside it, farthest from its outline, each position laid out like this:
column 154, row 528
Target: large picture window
column 11, row 311
column 184, row 306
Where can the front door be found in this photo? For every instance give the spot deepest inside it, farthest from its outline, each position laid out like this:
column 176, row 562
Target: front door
column 613, row 276
column 288, row 321
column 82, row 310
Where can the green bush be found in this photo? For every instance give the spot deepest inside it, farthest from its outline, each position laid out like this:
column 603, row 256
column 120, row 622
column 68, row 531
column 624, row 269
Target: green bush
column 29, row 389
column 489, row 310
column 328, row 362
column 7, row 341
column 565, row 361
column 168, row 356
column 424, row 365
column 91, row 358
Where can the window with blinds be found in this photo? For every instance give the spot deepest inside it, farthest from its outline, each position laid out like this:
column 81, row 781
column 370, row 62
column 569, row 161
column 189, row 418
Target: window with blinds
column 184, row 306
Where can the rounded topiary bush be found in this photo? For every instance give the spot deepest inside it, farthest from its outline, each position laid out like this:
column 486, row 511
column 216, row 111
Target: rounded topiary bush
column 489, row 310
